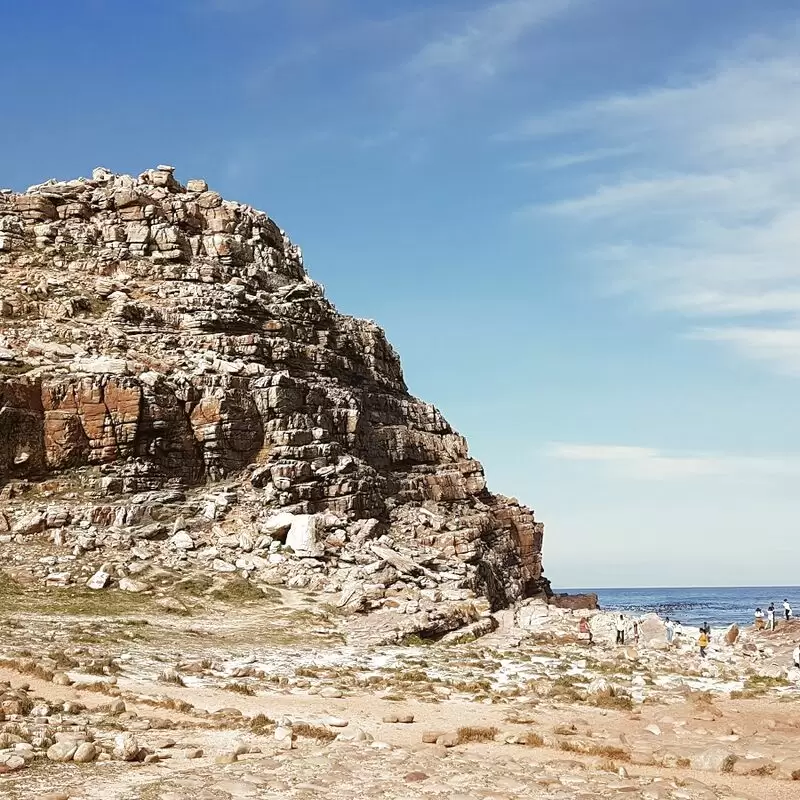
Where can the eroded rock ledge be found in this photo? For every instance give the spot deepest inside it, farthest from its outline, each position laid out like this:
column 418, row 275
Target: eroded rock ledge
column 176, row 392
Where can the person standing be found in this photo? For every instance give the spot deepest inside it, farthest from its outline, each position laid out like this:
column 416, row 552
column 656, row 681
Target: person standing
column 787, row 609
column 678, row 630
column 669, row 630
column 796, row 656
column 621, row 629
column 636, row 631
column 702, row 641
column 759, row 619
column 583, row 627
column 771, row 616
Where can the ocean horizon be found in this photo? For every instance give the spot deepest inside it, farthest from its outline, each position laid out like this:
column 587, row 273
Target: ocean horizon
column 720, row 606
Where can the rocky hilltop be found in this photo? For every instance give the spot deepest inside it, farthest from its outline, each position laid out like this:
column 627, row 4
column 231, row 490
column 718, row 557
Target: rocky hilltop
column 178, row 397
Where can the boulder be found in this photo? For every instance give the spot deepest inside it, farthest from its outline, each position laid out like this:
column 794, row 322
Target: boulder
column 303, row 536
column 62, row 751
column 86, row 753
column 732, row 634
column 714, row 759
column 99, row 580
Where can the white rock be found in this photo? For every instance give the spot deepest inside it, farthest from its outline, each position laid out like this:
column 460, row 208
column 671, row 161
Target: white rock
column 284, row 737
column 126, row 747
column 182, row 541
column 99, row 580
column 100, row 365
column 302, row 536
column 278, row 523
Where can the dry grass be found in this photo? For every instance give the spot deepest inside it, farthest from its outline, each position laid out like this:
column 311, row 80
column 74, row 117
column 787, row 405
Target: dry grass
column 316, row 732
column 516, row 718
column 727, row 765
column 611, row 698
column 533, row 739
column 476, row 734
column 240, row 688
column 602, row 750
column 262, row 724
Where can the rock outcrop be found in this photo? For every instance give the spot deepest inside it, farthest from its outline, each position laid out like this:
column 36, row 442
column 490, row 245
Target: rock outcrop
column 174, row 387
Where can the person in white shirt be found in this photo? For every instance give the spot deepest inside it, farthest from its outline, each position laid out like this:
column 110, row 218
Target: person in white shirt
column 678, row 629
column 669, row 627
column 621, row 629
column 759, row 619
column 787, row 609
column 771, row 616
column 796, row 656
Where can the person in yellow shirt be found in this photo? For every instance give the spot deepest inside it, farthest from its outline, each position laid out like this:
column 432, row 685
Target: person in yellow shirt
column 702, row 641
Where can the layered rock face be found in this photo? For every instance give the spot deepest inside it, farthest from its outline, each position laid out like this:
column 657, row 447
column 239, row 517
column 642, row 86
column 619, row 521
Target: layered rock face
column 165, row 360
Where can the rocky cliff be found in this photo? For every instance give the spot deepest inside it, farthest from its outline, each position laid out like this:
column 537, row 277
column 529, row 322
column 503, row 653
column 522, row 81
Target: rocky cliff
column 177, row 394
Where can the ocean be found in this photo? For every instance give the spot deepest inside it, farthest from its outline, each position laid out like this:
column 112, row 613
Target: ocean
column 719, row 606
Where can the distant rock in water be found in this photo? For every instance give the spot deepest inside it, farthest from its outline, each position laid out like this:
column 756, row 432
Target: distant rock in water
column 176, row 391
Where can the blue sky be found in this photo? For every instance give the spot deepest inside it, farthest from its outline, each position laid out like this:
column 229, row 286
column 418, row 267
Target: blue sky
column 578, row 221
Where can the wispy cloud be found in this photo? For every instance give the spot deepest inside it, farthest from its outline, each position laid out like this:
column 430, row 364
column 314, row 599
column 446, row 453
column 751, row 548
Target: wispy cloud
column 577, row 159
column 646, row 463
column 702, row 217
column 478, row 46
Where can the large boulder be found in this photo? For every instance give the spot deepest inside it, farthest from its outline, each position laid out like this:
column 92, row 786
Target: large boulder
column 303, row 536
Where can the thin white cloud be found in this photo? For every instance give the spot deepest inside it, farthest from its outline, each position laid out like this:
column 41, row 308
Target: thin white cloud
column 586, row 157
column 703, row 218
column 646, row 463
column 481, row 44
column 777, row 347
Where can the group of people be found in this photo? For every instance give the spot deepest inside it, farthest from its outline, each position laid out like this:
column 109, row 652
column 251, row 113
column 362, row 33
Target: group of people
column 770, row 615
column 673, row 629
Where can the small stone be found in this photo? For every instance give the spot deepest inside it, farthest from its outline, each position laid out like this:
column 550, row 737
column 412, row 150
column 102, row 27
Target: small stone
column 431, row 737
column 336, row 722
column 415, row 777
column 331, row 692
column 226, row 758
column 193, row 752
column 62, row 679
column 182, row 541
column 448, row 739
column 117, row 706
